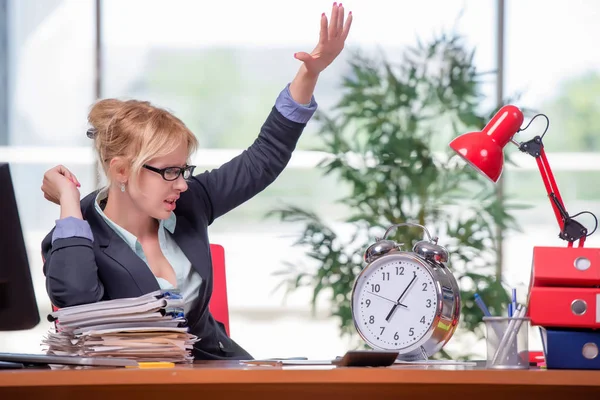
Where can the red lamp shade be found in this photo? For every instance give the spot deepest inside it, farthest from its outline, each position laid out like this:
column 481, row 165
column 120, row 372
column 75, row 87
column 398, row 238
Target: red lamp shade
column 483, row 150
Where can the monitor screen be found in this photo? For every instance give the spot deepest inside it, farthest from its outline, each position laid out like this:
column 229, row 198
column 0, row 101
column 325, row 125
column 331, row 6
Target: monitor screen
column 18, row 306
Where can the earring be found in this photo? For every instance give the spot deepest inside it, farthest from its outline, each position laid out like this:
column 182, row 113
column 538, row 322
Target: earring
column 123, row 187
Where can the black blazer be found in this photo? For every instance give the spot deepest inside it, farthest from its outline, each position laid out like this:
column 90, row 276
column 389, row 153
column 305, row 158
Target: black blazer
column 80, row 271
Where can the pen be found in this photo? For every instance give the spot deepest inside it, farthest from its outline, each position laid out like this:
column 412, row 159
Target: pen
column 486, row 313
column 512, row 307
column 482, row 306
column 510, row 335
column 273, row 363
column 154, row 364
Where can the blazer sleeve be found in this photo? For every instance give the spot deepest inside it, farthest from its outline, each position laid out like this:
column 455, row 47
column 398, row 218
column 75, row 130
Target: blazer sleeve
column 70, row 269
column 222, row 189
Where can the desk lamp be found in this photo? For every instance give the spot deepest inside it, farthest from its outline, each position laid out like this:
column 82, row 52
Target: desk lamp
column 484, row 152
column 564, row 295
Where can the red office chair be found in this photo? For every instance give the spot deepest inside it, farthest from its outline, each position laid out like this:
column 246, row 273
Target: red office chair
column 219, row 306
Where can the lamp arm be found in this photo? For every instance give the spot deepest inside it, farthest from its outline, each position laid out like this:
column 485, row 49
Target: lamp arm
column 570, row 229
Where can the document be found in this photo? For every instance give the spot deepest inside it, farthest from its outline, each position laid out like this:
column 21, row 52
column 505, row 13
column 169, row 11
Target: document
column 149, row 328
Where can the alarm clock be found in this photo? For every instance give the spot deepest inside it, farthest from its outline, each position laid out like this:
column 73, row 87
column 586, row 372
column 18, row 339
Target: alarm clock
column 406, row 301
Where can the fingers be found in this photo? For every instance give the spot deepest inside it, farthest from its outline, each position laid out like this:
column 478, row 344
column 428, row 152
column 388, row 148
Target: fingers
column 55, row 184
column 302, row 56
column 76, row 182
column 347, row 27
column 323, row 35
column 336, row 27
column 340, row 20
column 47, row 194
column 68, row 174
column 333, row 25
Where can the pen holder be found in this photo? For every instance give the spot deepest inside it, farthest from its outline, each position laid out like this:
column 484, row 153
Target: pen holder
column 507, row 341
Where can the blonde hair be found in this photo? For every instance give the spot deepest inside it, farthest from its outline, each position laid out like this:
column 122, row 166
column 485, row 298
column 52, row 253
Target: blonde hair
column 136, row 131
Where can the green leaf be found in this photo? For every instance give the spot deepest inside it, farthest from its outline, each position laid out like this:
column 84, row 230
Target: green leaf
column 384, row 134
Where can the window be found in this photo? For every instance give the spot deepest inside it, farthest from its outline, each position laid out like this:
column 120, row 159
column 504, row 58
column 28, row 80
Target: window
column 221, row 72
column 557, row 75
column 222, row 79
column 50, row 87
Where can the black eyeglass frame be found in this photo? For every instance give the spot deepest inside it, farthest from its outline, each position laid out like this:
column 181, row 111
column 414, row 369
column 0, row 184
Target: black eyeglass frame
column 180, row 171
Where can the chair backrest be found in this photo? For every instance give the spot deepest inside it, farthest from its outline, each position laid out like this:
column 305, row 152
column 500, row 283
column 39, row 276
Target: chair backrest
column 219, row 306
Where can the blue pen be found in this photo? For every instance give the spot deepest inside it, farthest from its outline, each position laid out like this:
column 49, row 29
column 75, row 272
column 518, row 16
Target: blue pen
column 513, row 305
column 482, row 306
column 486, row 313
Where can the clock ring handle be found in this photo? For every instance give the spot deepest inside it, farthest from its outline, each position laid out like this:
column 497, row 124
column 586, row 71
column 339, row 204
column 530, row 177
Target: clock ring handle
column 387, row 232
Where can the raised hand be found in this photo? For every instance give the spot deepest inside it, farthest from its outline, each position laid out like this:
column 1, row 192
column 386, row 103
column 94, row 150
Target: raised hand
column 60, row 186
column 59, row 182
column 331, row 41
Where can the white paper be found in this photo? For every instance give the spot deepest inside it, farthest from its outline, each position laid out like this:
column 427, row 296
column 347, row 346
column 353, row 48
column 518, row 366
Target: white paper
column 598, row 308
column 437, row 362
column 101, row 312
column 105, row 305
column 134, row 328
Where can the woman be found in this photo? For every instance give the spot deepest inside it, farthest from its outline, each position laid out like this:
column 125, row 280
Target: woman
column 147, row 230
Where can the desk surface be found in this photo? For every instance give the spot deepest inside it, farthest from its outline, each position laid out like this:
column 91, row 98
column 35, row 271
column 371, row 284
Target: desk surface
column 226, row 379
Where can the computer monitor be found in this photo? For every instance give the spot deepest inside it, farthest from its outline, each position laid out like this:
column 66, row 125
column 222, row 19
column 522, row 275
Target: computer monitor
column 18, row 305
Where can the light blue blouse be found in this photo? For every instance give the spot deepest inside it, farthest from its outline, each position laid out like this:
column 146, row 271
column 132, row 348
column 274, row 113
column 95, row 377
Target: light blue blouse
column 188, row 279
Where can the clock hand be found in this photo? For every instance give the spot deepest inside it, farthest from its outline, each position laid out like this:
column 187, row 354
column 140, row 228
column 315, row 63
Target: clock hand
column 381, row 297
column 387, row 318
column 408, row 287
column 385, row 298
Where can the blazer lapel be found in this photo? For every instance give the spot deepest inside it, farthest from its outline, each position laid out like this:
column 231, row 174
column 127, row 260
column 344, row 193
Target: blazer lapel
column 116, row 248
column 192, row 246
column 120, row 252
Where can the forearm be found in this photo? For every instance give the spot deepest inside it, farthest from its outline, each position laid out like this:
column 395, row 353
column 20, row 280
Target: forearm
column 303, row 85
column 249, row 173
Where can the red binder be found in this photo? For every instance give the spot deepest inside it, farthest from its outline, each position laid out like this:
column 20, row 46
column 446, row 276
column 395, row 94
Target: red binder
column 565, row 307
column 565, row 266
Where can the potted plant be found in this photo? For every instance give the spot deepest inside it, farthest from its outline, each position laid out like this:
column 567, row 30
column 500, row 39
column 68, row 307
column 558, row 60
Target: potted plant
column 387, row 137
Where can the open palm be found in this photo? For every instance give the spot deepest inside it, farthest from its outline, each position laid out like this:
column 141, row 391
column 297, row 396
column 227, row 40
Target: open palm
column 331, row 41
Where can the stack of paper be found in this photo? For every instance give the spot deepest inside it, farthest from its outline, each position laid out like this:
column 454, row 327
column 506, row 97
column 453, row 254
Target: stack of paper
column 147, row 328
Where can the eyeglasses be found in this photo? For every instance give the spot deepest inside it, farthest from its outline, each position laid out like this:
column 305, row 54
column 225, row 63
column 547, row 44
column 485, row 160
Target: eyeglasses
column 172, row 173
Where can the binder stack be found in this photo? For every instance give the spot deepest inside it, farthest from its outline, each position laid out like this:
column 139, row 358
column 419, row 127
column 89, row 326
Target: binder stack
column 564, row 301
column 148, row 328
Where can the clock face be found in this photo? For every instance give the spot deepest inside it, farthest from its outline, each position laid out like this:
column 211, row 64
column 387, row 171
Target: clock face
column 394, row 303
